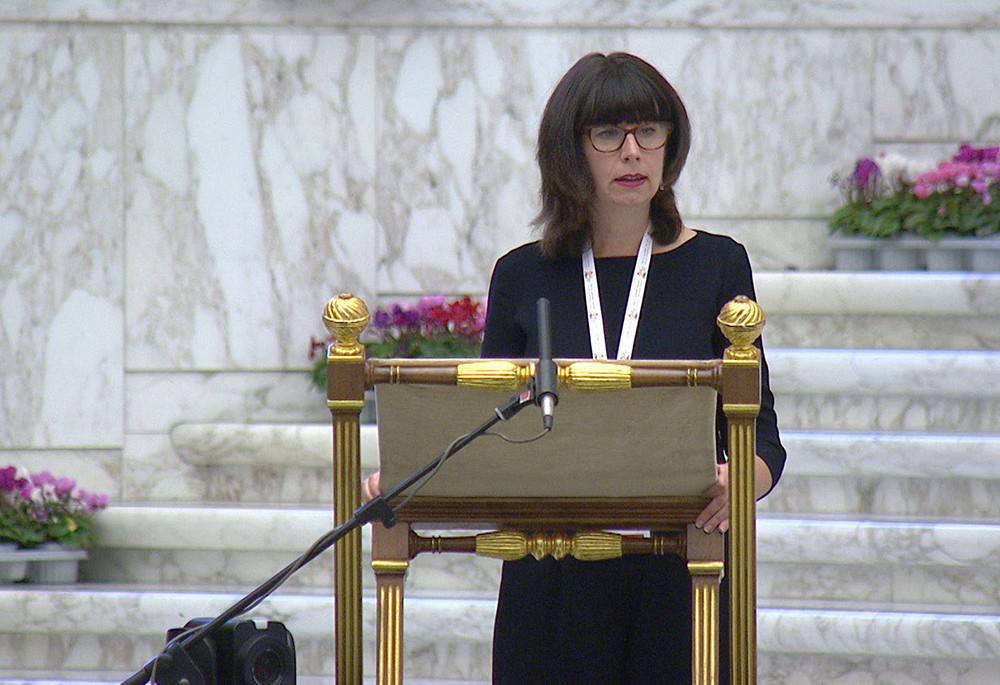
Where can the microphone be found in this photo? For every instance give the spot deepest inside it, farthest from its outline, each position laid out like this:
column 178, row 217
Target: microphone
column 546, row 391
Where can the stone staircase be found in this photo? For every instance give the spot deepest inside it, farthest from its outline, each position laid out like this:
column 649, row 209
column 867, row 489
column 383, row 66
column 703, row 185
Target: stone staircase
column 879, row 552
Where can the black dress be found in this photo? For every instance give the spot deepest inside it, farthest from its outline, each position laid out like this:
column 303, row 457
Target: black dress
column 626, row 620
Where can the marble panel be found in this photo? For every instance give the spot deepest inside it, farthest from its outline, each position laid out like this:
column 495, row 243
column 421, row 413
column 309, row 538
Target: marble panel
column 774, row 244
column 773, row 114
column 159, row 401
column 61, row 248
column 457, row 183
column 934, row 85
column 250, row 193
column 849, row 14
column 445, row 105
column 93, row 470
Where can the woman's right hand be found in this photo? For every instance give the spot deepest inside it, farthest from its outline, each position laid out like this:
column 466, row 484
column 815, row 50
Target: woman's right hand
column 370, row 488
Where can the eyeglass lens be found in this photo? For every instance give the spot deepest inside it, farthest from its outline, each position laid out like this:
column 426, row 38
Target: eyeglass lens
column 649, row 135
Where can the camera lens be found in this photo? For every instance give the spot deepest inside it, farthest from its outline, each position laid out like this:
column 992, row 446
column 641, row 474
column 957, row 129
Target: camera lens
column 267, row 667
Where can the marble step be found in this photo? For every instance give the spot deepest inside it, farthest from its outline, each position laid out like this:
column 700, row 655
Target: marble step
column 864, row 475
column 855, row 473
column 954, row 565
column 886, row 390
column 444, row 638
column 954, row 311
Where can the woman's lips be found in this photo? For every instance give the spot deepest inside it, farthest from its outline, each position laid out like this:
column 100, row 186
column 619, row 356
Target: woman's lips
column 631, row 180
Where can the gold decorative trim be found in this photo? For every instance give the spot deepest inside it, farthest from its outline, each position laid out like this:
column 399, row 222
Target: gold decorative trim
column 346, row 405
column 345, row 316
column 585, row 546
column 741, row 321
column 706, row 568
column 390, row 566
column 596, row 376
column 736, row 409
column 493, row 375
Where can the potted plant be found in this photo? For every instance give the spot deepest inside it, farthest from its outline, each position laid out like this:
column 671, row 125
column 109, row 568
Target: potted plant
column 902, row 214
column 49, row 520
column 18, row 529
column 433, row 327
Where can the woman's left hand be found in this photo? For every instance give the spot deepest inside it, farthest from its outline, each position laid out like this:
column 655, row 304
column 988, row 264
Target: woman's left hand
column 716, row 515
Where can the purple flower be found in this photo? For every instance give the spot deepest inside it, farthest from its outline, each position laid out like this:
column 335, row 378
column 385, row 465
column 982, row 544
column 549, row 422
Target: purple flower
column 382, row 319
column 865, row 172
column 967, row 154
column 64, row 486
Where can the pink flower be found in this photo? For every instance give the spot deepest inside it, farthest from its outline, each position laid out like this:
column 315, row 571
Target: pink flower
column 922, row 190
column 42, row 479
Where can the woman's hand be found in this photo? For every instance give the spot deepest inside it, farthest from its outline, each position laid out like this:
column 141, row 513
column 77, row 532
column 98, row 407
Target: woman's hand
column 715, row 517
column 370, row 488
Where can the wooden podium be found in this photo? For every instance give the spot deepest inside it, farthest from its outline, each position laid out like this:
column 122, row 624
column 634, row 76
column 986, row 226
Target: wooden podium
column 633, row 448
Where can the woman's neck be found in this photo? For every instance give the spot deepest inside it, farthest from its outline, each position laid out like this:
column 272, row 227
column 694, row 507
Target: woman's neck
column 619, row 233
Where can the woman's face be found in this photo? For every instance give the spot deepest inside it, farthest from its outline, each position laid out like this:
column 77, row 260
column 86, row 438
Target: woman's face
column 630, row 175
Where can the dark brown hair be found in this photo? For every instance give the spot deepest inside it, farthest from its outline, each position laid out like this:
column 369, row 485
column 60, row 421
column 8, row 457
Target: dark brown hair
column 598, row 89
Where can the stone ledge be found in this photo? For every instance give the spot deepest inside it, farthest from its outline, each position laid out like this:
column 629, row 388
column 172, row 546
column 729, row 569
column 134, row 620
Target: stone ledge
column 470, row 622
column 879, row 293
column 798, row 540
column 899, row 455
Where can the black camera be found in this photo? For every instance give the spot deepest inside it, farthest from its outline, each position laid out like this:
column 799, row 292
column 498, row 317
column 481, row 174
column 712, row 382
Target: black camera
column 240, row 652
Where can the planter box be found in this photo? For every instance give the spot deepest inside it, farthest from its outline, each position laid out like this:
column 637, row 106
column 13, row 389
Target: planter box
column 913, row 253
column 45, row 564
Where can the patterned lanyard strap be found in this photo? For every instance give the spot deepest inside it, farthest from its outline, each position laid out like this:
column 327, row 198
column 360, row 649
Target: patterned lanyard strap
column 595, row 317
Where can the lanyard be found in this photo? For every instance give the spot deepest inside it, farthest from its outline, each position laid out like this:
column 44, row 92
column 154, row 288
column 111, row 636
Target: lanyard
column 595, row 317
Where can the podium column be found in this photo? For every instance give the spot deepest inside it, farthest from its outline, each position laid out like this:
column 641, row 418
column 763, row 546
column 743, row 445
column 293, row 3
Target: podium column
column 741, row 320
column 345, row 317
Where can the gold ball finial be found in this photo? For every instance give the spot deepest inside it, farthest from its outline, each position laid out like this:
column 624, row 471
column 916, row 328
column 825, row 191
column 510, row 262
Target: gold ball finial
column 345, row 317
column 741, row 321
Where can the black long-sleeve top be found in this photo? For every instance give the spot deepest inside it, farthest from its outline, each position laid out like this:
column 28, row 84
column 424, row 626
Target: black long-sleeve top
column 687, row 288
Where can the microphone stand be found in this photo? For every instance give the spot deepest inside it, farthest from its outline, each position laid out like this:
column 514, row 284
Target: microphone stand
column 377, row 509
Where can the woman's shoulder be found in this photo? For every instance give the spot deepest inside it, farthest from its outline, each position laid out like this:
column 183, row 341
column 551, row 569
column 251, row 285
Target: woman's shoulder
column 527, row 257
column 718, row 242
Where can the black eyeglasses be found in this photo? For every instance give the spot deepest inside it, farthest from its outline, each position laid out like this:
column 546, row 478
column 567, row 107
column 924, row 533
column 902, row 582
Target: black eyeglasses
column 649, row 135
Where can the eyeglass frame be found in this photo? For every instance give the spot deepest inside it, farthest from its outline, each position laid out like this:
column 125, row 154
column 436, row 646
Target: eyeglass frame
column 630, row 130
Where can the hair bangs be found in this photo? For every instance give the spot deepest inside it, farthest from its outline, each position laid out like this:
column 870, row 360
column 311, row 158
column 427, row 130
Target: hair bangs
column 623, row 96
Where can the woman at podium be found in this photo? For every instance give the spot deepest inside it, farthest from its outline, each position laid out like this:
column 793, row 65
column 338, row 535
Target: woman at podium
column 626, row 278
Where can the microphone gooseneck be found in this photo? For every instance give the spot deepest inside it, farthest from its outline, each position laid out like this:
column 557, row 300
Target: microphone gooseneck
column 546, row 382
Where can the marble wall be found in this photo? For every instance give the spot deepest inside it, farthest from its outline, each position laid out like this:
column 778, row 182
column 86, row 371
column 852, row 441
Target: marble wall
column 184, row 184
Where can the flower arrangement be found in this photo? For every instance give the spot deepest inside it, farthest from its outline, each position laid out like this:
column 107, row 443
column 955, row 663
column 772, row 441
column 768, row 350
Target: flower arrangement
column 889, row 194
column 40, row 508
column 434, row 327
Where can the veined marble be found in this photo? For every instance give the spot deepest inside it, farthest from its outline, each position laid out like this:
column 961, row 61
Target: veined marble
column 61, row 241
column 518, row 13
column 927, row 85
column 937, row 375
column 251, row 196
